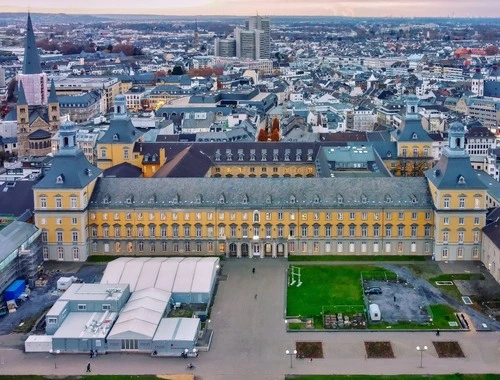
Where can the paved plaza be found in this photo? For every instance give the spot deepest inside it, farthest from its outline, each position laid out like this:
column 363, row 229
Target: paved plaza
column 250, row 341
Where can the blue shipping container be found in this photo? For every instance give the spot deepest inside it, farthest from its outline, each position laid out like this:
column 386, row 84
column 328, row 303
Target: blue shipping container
column 15, row 290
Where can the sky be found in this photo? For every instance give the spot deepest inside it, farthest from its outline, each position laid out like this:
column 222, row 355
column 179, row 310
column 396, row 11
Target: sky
column 352, row 8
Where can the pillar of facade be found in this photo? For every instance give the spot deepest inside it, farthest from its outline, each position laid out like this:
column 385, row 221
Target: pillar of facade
column 261, row 250
column 238, row 250
column 285, row 253
column 250, row 250
column 275, row 250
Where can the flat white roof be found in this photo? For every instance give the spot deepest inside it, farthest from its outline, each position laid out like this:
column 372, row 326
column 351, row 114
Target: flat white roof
column 57, row 308
column 185, row 275
column 179, row 329
column 94, row 292
column 78, row 325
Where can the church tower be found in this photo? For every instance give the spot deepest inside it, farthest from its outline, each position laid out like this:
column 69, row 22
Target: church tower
column 459, row 199
column 477, row 84
column 38, row 114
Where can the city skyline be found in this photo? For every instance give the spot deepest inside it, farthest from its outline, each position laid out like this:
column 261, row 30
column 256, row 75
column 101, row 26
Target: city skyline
column 356, row 8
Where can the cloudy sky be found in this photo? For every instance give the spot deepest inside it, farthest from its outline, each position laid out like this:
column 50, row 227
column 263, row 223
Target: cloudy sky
column 357, row 8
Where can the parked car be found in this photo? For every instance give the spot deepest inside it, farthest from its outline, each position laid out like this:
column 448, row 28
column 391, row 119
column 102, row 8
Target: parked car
column 374, row 290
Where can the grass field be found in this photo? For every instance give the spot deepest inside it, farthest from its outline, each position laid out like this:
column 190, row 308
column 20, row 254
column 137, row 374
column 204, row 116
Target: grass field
column 395, row 377
column 355, row 258
column 326, row 286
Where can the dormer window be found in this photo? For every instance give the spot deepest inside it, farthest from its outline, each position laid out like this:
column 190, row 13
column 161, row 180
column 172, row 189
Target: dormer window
column 129, row 200
column 241, row 156
column 461, row 180
column 268, row 200
column 364, row 199
column 116, row 137
column 198, row 199
column 252, row 155
column 389, row 154
column 293, row 199
column 106, row 200
column 152, row 199
column 275, row 155
column 217, row 155
column 245, row 199
column 176, row 199
column 298, row 155
column 316, row 199
column 413, row 199
column 264, row 154
column 309, row 155
column 340, row 199
column 60, row 179
column 222, row 199
column 88, row 172
column 414, row 136
column 388, row 199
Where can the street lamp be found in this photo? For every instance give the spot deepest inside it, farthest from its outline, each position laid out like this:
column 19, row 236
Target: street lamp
column 291, row 353
column 421, row 349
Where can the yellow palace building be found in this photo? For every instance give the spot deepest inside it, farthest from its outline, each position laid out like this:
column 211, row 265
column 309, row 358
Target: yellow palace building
column 83, row 214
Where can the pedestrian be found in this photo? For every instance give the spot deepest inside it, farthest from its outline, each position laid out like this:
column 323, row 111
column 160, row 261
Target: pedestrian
column 88, row 367
column 95, row 353
column 394, row 298
column 91, row 354
column 255, row 296
column 437, row 332
column 253, row 270
column 311, row 359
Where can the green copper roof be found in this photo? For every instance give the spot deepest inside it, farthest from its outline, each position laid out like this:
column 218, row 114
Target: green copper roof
column 31, row 64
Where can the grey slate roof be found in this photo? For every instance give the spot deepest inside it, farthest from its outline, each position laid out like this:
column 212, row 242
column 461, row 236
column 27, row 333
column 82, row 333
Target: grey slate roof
column 121, row 131
column 16, row 197
column 72, row 168
column 123, row 170
column 251, row 193
column 31, row 63
column 412, row 131
column 446, row 173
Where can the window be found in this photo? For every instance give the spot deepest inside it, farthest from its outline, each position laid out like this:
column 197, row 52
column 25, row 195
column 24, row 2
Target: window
column 428, row 215
column 140, row 231
column 59, row 236
column 427, row 231
column 291, row 246
column 198, row 231
column 387, row 247
column 43, row 202
column 328, row 231
column 460, row 237
column 304, row 231
column 175, row 231
column 376, row 230
column 352, row 216
column 106, row 306
column 74, row 236
column 74, row 221
column 58, row 202
column 268, row 216
column 340, row 216
column 388, row 216
column 328, row 216
column 187, row 231
column 444, row 252
column 268, row 231
column 45, row 236
column 76, row 253
column 413, row 216
column 125, row 154
column 401, row 231
column 388, row 230
column 52, row 321
column 45, row 253
column 364, row 215
column 340, row 247
column 304, row 216
column 352, row 230
column 427, row 247
column 460, row 252
column 446, row 221
column 476, row 220
column 128, row 231
column 401, row 215
column 476, row 237
column 400, row 246
column 351, row 247
column 292, row 231
column 414, row 231
column 103, row 153
column 164, row 246
column 280, row 231
column 198, row 246
column 256, row 217
column 461, row 220
column 280, row 216
column 475, row 252
column 152, row 247
column 461, row 202
column 82, row 307
column 222, row 231
column 117, row 231
column 140, row 246
column 446, row 202
column 364, row 230
column 292, row 216
column 303, row 246
column 72, row 202
column 340, row 230
column 446, row 236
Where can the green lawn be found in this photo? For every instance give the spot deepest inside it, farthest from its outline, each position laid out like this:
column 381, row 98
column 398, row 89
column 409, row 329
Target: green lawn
column 456, row 376
column 356, row 258
column 326, row 286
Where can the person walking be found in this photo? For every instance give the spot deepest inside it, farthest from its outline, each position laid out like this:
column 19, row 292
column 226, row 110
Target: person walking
column 255, row 296
column 91, row 354
column 88, row 367
column 253, row 270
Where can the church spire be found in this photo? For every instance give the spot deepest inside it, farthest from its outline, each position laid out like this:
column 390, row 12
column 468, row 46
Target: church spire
column 52, row 94
column 31, row 64
column 21, row 97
